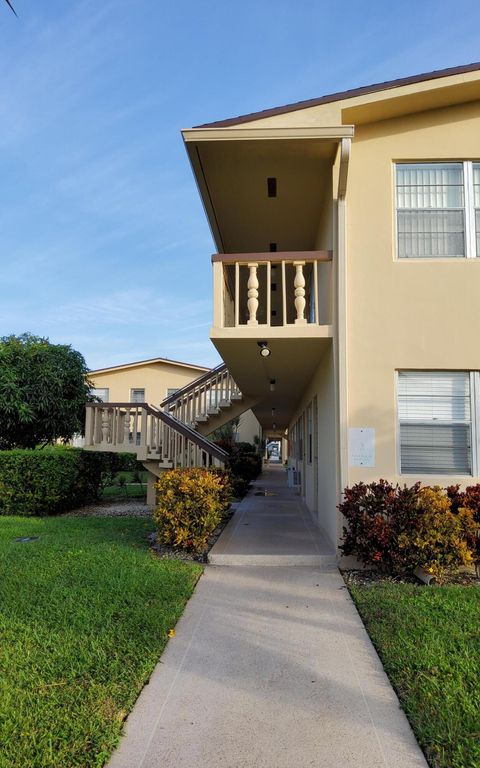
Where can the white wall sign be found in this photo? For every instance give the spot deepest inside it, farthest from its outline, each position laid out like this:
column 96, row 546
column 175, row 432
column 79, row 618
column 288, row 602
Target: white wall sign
column 361, row 447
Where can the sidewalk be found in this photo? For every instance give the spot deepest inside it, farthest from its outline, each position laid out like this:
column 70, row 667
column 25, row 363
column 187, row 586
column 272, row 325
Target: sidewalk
column 276, row 529
column 271, row 667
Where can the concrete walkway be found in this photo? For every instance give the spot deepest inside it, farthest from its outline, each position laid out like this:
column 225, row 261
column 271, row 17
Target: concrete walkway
column 271, row 667
column 272, row 529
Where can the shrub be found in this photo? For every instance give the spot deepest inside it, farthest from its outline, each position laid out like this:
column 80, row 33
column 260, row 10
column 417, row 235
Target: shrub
column 398, row 529
column 466, row 504
column 376, row 514
column 49, row 481
column 191, row 503
column 438, row 540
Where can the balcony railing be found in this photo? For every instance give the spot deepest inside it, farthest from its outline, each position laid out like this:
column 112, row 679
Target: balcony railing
column 152, row 434
column 272, row 289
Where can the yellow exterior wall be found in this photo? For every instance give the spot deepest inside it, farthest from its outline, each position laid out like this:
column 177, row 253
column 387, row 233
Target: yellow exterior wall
column 154, row 378
column 248, row 428
column 417, row 314
column 319, row 478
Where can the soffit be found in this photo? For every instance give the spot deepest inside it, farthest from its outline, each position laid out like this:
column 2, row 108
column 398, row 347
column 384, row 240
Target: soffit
column 232, row 178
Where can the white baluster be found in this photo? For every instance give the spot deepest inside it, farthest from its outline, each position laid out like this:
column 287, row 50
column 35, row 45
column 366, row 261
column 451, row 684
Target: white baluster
column 105, row 425
column 299, row 284
column 126, row 426
column 252, row 302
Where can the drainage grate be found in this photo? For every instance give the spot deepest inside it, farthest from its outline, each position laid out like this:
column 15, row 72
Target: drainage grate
column 23, row 539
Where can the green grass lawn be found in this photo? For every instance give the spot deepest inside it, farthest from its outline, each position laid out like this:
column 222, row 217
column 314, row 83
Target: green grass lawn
column 84, row 616
column 128, row 490
column 429, row 641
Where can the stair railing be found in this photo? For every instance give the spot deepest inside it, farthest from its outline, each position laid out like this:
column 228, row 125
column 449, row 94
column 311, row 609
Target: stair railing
column 150, row 433
column 204, row 396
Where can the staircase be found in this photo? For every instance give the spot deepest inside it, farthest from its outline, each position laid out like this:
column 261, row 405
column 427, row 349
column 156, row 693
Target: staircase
column 208, row 402
column 173, row 437
column 158, row 439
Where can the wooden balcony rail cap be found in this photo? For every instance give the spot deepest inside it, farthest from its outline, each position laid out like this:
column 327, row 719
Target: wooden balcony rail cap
column 278, row 256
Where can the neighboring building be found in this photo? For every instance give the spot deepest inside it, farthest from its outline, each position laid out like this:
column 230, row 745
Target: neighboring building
column 348, row 238
column 151, row 381
column 148, row 381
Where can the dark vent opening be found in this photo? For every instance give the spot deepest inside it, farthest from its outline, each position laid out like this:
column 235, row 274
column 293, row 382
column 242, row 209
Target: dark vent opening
column 272, row 186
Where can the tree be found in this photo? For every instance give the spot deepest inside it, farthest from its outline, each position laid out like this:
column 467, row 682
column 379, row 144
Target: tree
column 43, row 391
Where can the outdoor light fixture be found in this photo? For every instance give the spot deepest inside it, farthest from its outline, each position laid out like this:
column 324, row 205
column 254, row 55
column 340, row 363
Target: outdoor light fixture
column 264, row 350
column 272, row 385
column 274, row 426
column 273, row 411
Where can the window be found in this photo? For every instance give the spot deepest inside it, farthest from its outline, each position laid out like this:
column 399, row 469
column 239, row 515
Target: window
column 137, row 395
column 435, row 422
column 102, row 394
column 438, row 210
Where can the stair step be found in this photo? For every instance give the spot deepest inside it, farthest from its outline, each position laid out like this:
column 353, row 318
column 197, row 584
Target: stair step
column 237, row 397
column 213, row 411
column 201, row 417
column 225, row 403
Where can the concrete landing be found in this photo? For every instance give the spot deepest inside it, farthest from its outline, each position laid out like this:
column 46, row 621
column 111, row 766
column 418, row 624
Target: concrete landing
column 274, row 529
column 270, row 668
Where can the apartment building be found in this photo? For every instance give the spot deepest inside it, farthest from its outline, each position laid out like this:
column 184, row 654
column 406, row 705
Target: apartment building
column 347, row 278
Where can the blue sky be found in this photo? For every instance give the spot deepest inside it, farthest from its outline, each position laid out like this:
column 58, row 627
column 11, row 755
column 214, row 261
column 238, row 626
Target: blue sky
column 103, row 241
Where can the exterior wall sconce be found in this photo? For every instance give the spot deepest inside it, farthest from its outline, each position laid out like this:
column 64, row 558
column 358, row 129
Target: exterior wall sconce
column 264, row 350
column 272, row 385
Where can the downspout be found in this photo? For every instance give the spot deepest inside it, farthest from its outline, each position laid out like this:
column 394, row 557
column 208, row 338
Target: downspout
column 341, row 320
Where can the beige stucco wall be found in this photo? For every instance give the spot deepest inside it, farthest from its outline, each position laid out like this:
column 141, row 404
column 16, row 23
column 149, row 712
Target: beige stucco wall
column 248, row 428
column 154, row 378
column 319, row 484
column 414, row 314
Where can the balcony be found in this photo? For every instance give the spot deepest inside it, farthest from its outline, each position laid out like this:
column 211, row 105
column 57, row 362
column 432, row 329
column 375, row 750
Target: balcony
column 276, row 295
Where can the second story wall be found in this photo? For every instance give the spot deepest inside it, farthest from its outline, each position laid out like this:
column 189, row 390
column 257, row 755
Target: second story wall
column 414, row 313
column 155, row 378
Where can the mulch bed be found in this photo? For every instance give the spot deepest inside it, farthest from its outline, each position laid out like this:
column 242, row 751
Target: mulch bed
column 113, row 508
column 365, row 578
column 166, row 552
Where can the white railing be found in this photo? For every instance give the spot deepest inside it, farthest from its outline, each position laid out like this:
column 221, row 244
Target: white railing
column 272, row 289
column 203, row 397
column 150, row 433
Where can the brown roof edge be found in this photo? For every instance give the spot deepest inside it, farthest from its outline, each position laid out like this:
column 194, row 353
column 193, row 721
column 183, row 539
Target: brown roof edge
column 342, row 95
column 146, row 362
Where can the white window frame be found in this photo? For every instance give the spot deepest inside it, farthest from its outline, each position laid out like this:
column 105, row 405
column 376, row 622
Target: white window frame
column 101, row 389
column 468, row 211
column 474, row 420
column 137, row 389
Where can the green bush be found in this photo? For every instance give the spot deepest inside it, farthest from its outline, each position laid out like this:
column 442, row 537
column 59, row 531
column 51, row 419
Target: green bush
column 397, row 529
column 51, row 480
column 191, row 503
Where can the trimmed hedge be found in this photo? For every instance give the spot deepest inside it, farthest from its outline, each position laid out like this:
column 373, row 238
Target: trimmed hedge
column 53, row 480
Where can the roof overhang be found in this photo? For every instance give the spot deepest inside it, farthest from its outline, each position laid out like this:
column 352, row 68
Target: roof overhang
column 231, row 165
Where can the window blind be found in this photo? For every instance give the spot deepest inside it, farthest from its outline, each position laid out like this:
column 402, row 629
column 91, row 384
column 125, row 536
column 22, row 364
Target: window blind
column 476, row 199
column 137, row 396
column 102, row 394
column 434, row 409
column 430, row 210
